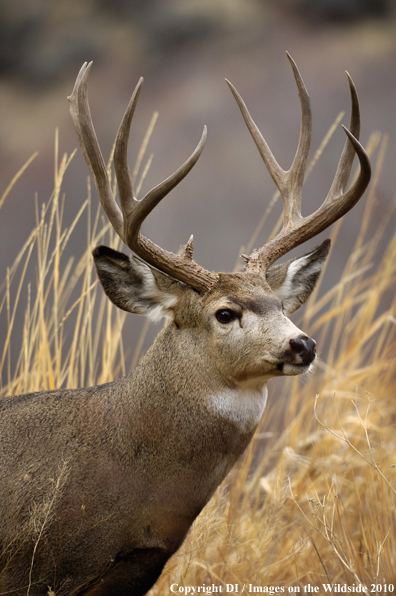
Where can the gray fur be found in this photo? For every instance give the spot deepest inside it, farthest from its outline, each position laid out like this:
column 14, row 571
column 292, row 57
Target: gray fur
column 99, row 486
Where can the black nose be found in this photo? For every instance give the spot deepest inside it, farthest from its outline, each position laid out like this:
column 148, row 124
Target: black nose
column 305, row 348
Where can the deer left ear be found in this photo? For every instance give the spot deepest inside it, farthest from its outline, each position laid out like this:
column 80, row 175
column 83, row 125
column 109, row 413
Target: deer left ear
column 293, row 281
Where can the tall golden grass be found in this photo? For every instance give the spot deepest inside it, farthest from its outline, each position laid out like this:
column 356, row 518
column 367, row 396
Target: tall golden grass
column 313, row 505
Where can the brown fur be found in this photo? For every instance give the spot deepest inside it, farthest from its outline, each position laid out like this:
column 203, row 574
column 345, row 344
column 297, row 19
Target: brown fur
column 99, row 486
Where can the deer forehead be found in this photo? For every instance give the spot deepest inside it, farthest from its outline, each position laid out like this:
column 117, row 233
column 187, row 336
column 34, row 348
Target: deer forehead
column 243, row 291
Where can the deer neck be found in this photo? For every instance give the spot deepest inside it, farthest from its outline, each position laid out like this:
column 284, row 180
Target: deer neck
column 181, row 429
column 183, row 383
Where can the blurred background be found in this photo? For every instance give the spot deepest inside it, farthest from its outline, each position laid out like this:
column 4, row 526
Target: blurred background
column 185, row 49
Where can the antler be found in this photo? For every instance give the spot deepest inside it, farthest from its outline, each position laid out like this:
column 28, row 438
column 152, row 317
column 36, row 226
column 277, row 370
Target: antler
column 297, row 229
column 128, row 220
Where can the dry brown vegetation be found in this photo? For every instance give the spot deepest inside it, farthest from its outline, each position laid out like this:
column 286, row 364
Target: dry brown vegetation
column 316, row 506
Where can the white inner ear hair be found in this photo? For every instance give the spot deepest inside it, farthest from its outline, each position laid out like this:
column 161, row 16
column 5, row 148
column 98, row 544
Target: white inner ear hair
column 151, row 301
column 289, row 286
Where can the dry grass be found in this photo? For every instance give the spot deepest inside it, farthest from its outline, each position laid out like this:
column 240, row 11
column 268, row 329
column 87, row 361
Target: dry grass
column 316, row 505
column 64, row 296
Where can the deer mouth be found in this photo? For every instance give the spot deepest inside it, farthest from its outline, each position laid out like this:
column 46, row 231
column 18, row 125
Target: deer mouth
column 285, row 368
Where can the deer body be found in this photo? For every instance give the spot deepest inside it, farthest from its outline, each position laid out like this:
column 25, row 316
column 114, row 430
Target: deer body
column 99, row 486
column 142, row 455
column 114, row 501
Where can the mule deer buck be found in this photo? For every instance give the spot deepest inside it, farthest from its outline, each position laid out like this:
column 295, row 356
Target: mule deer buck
column 122, row 470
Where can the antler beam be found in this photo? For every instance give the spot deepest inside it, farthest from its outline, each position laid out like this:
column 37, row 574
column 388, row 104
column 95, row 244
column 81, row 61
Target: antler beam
column 297, row 229
column 128, row 220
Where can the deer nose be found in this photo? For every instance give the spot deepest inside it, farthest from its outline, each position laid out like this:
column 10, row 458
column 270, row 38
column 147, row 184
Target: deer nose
column 305, row 348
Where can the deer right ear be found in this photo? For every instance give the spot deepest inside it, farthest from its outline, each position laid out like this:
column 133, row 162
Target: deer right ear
column 134, row 286
column 294, row 280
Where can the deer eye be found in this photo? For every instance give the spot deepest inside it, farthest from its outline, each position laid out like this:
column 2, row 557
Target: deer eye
column 226, row 315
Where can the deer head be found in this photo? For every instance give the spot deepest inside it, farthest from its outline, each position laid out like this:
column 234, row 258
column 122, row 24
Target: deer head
column 143, row 455
column 241, row 318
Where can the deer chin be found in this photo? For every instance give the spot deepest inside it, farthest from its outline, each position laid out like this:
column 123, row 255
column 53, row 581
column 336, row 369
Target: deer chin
column 291, row 370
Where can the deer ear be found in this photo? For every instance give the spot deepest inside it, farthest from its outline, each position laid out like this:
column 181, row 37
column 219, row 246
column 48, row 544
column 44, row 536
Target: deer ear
column 133, row 285
column 293, row 281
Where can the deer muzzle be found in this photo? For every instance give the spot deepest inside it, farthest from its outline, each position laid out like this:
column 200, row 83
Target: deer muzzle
column 299, row 357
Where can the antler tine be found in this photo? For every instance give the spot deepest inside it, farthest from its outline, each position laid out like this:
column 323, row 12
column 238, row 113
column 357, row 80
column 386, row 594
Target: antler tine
column 128, row 200
column 297, row 170
column 297, row 229
column 135, row 212
column 181, row 267
column 308, row 227
column 276, row 172
column 348, row 154
column 81, row 115
column 127, row 221
column 337, row 203
column 288, row 182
